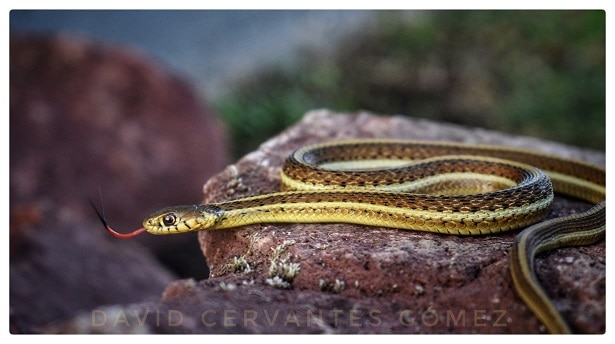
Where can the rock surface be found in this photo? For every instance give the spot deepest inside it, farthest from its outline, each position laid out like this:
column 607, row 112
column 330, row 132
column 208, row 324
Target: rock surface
column 86, row 117
column 405, row 270
column 353, row 279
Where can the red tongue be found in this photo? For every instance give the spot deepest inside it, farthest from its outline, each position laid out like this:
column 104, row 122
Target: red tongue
column 114, row 233
column 125, row 236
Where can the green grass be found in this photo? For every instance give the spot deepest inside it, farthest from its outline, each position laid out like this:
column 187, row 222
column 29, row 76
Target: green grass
column 537, row 73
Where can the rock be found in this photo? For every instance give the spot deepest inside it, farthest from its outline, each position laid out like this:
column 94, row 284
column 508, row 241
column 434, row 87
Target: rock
column 84, row 118
column 70, row 268
column 338, row 278
column 463, row 278
column 87, row 118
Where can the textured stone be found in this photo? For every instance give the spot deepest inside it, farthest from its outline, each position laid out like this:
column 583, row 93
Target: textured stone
column 354, row 279
column 404, row 270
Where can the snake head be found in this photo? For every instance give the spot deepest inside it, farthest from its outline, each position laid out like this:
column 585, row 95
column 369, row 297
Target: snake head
column 182, row 219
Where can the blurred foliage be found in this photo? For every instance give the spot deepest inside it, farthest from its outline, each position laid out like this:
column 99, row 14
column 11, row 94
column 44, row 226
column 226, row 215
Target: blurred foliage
column 538, row 73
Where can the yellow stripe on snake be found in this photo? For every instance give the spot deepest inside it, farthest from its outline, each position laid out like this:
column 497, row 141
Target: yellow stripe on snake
column 447, row 188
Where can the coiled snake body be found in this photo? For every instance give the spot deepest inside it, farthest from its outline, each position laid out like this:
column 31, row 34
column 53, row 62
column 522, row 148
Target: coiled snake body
column 448, row 188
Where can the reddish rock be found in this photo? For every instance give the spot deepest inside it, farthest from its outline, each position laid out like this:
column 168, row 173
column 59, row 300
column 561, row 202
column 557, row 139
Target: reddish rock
column 354, row 279
column 400, row 270
column 69, row 268
column 86, row 117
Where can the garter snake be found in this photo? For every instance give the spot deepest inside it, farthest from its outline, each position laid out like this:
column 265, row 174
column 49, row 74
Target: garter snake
column 448, row 188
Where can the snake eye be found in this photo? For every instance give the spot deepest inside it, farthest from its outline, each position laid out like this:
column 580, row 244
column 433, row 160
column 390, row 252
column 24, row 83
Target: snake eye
column 169, row 219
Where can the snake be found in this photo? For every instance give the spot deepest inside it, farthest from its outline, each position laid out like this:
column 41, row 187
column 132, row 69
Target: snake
column 441, row 187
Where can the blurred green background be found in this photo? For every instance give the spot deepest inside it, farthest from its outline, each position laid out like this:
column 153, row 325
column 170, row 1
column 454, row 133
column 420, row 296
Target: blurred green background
column 537, row 73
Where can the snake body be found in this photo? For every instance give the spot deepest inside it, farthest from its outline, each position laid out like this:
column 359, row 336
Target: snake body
column 446, row 188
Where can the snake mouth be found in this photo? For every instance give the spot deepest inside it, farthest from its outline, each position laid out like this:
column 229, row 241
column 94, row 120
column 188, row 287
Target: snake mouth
column 184, row 218
column 151, row 225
